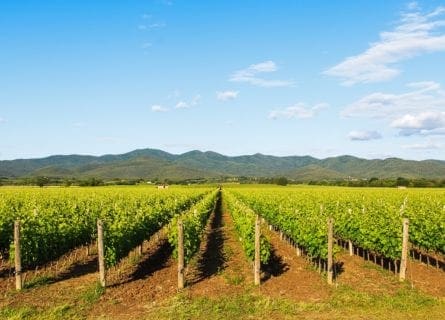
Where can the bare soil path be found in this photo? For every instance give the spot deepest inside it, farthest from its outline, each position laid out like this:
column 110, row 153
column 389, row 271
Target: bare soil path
column 290, row 276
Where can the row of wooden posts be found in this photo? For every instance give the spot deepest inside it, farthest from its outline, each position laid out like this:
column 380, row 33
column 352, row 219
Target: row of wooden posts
column 330, row 261
column 181, row 262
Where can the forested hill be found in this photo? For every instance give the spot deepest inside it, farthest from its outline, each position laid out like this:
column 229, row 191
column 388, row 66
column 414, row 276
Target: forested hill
column 152, row 163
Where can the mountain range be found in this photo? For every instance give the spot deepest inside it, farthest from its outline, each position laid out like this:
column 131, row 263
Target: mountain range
column 158, row 164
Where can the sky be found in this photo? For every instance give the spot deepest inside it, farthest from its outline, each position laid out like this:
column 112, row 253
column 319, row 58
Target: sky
column 319, row 78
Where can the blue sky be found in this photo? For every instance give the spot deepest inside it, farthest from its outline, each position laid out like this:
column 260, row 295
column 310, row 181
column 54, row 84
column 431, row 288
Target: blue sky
column 320, row 78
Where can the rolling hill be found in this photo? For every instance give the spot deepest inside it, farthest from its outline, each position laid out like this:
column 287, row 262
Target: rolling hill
column 152, row 163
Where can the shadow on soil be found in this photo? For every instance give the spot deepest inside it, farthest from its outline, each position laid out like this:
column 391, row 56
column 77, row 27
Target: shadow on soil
column 275, row 267
column 78, row 269
column 150, row 263
column 212, row 259
column 6, row 272
column 338, row 269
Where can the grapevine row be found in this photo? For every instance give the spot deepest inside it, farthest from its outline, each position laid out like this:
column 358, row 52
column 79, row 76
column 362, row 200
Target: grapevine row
column 194, row 222
column 244, row 220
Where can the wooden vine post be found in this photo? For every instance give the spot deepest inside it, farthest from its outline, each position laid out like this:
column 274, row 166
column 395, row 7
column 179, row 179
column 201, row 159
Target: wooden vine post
column 350, row 245
column 180, row 254
column 17, row 256
column 257, row 262
column 101, row 252
column 405, row 245
column 330, row 250
column 351, row 248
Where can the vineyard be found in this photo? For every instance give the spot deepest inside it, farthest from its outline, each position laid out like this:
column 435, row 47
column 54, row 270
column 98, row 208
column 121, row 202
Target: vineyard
column 371, row 220
column 179, row 229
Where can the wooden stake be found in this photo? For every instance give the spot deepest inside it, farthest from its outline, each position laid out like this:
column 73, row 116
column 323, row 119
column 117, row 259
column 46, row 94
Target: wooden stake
column 257, row 262
column 180, row 254
column 405, row 239
column 351, row 248
column 17, row 256
column 330, row 250
column 101, row 252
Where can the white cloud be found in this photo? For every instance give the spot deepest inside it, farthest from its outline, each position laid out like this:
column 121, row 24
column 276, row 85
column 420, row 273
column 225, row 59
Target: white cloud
column 193, row 102
column 158, row 108
column 182, row 105
column 425, row 96
column 157, row 25
column 147, row 16
column 266, row 66
column 146, row 45
column 297, row 111
column 416, row 112
column 424, row 123
column 364, row 135
column 226, row 95
column 251, row 75
column 416, row 33
column 428, row 145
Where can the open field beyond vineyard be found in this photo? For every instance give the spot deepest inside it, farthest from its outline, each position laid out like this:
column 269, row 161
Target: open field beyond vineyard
column 59, row 256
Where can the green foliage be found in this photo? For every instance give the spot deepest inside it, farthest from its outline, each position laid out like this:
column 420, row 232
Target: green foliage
column 370, row 218
column 130, row 221
column 41, row 181
column 281, row 181
column 93, row 293
column 56, row 220
column 194, row 222
column 244, row 220
column 151, row 164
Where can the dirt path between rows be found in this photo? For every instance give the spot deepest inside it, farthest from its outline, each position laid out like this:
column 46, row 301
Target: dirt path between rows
column 370, row 277
column 145, row 283
column 47, row 288
column 221, row 267
column 290, row 276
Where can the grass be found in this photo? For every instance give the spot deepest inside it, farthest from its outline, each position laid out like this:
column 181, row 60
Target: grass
column 64, row 311
column 345, row 303
column 233, row 279
column 74, row 308
column 241, row 306
column 92, row 294
column 39, row 281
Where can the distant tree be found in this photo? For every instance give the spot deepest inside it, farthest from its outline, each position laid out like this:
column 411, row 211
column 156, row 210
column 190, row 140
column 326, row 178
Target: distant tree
column 373, row 179
column 67, row 182
column 91, row 182
column 402, row 181
column 281, row 181
column 41, row 181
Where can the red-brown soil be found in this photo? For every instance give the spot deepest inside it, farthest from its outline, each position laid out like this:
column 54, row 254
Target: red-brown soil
column 291, row 276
